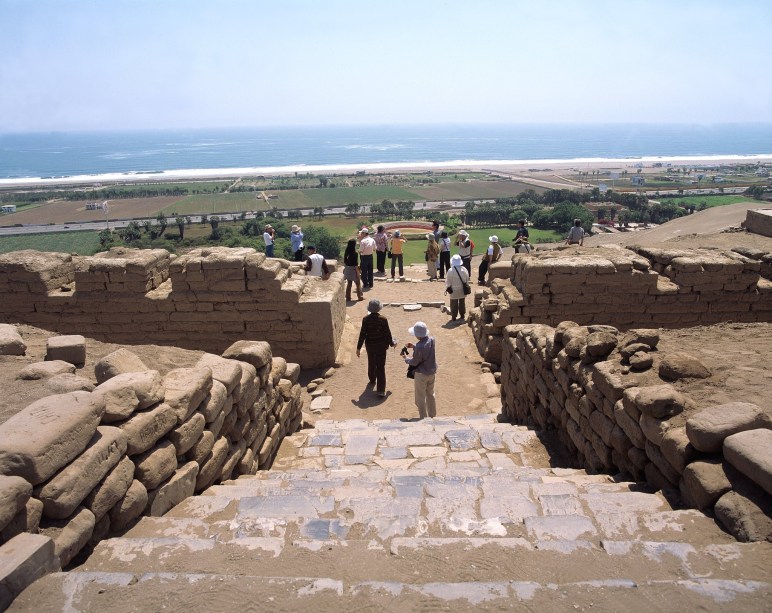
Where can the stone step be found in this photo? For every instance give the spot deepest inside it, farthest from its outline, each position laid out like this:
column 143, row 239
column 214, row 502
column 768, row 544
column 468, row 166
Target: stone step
column 94, row 591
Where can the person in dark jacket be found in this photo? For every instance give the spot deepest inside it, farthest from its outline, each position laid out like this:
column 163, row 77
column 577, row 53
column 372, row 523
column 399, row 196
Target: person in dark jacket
column 375, row 335
column 351, row 270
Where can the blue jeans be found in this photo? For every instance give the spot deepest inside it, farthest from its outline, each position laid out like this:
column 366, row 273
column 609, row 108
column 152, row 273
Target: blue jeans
column 269, row 250
column 366, row 264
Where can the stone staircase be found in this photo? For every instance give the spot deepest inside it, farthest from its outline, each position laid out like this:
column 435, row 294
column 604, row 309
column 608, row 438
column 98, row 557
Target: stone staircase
column 416, row 515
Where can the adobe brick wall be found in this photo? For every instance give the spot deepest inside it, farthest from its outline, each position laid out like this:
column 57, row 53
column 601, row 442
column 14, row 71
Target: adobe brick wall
column 637, row 287
column 759, row 221
column 205, row 300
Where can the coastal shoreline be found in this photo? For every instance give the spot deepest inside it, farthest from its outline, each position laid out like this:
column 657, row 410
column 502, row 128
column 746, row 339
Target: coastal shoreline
column 380, row 167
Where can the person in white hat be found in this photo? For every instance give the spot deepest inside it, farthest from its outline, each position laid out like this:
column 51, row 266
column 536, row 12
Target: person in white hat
column 492, row 256
column 425, row 362
column 296, row 242
column 455, row 281
column 465, row 247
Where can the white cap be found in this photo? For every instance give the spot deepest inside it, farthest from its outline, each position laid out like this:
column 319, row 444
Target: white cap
column 493, row 239
column 419, row 330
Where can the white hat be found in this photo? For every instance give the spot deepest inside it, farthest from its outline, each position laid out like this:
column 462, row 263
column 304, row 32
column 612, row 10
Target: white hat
column 419, row 330
column 493, row 239
column 463, row 233
column 295, row 228
column 456, row 261
column 365, row 230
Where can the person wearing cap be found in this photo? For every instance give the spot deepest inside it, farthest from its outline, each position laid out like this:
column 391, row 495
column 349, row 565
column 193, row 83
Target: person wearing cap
column 381, row 246
column 432, row 253
column 366, row 251
column 465, row 247
column 315, row 264
column 397, row 255
column 521, row 239
column 424, row 360
column 492, row 256
column 375, row 335
column 455, row 280
column 296, row 243
column 268, row 237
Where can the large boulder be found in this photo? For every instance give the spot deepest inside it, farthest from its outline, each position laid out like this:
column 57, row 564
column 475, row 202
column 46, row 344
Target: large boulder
column 660, row 401
column 600, row 344
column 125, row 393
column 186, row 388
column 680, row 365
column 747, row 518
column 44, row 370
column 703, row 483
column 750, row 452
column 14, row 494
column 69, row 348
column 257, row 353
column 118, row 362
column 11, row 342
column 708, row 428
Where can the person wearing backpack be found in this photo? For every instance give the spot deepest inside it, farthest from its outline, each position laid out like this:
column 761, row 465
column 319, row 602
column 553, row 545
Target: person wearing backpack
column 457, row 285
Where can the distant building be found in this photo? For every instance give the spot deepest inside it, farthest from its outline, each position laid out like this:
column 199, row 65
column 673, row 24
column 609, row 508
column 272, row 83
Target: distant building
column 95, row 206
column 638, row 180
column 8, row 208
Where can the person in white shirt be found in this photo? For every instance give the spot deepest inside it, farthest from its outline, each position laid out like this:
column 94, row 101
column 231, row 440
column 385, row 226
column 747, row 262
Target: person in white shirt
column 315, row 264
column 455, row 281
column 576, row 235
column 268, row 237
column 465, row 249
column 366, row 251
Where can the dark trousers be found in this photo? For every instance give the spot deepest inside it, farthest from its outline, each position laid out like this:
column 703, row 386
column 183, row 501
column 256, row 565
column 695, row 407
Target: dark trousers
column 380, row 259
column 269, row 251
column 458, row 307
column 366, row 264
column 444, row 263
column 394, row 258
column 376, row 365
column 466, row 262
column 482, row 271
column 299, row 254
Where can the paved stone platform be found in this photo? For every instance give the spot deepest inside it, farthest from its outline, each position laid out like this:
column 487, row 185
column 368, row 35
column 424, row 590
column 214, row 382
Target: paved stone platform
column 416, row 515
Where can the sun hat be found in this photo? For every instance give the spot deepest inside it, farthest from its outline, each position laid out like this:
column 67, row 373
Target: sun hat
column 430, row 237
column 374, row 306
column 419, row 330
column 456, row 260
column 493, row 239
column 295, row 229
column 463, row 233
column 365, row 230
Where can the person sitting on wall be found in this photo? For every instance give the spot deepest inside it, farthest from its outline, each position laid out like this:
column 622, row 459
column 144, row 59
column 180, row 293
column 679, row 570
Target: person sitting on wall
column 521, row 239
column 315, row 264
column 576, row 235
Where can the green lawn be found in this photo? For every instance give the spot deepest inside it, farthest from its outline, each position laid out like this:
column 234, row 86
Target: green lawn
column 711, row 201
column 82, row 243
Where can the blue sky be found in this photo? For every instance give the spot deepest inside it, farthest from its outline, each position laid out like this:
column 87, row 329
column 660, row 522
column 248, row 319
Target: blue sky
column 146, row 64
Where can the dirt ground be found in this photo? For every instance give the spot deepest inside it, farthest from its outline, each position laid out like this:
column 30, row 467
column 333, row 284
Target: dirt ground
column 61, row 211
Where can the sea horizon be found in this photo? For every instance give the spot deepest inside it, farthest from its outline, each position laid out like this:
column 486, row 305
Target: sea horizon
column 40, row 158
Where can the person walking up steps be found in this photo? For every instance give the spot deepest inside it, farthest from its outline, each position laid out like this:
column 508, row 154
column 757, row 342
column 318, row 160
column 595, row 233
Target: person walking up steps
column 456, row 279
column 366, row 251
column 396, row 254
column 424, row 359
column 375, row 335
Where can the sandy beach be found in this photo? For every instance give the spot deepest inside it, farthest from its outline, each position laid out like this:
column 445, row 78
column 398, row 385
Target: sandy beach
column 520, row 166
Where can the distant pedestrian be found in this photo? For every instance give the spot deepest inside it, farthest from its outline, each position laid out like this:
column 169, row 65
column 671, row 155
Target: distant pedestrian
column 437, row 231
column 456, row 279
column 375, row 335
column 366, row 251
column 381, row 246
column 269, row 235
column 316, row 266
column 431, row 254
column 576, row 234
column 396, row 254
column 465, row 247
column 351, row 270
column 492, row 255
column 296, row 243
column 444, row 246
column 424, row 359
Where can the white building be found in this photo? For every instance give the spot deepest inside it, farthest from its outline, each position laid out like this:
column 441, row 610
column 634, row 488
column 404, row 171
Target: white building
column 8, row 208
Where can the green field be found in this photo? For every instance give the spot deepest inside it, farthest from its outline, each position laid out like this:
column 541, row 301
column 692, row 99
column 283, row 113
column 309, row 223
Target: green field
column 710, row 201
column 82, row 243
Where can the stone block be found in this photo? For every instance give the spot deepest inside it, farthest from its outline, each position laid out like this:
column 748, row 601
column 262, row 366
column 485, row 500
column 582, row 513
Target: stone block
column 703, row 483
column 111, row 489
column 223, row 370
column 257, row 353
column 186, row 435
column 680, row 365
column 202, row 447
column 70, row 535
column 660, row 401
column 708, row 428
column 118, row 362
column 654, row 429
column 11, row 342
column 66, row 383
column 186, row 389
column 677, row 449
column 127, row 392
column 173, row 491
column 14, row 494
column 278, row 368
column 62, row 494
column 70, row 348
column 26, row 520
column 746, row 518
column 48, row 434
column 750, row 452
column 210, row 469
column 44, row 370
column 292, row 373
column 23, row 560
column 156, row 465
column 146, row 428
column 128, row 508
column 600, row 344
column 648, row 337
column 214, row 402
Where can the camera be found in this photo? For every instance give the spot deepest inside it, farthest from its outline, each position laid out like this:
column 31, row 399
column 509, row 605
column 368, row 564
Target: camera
column 404, row 351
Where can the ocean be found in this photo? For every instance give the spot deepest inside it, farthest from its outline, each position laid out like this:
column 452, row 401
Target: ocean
column 45, row 155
